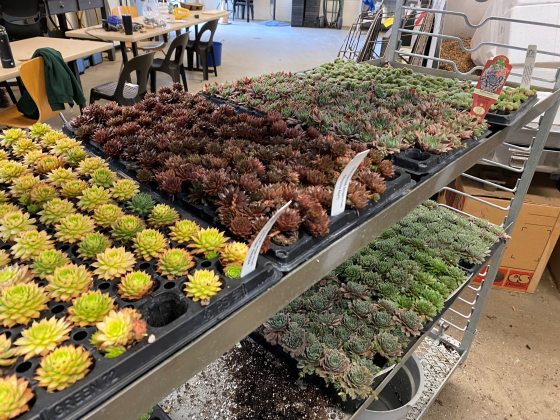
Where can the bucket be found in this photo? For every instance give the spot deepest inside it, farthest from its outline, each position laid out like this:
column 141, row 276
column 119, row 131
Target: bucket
column 217, row 46
column 400, row 394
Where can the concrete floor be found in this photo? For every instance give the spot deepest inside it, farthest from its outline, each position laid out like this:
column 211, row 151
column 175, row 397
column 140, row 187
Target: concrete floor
column 513, row 370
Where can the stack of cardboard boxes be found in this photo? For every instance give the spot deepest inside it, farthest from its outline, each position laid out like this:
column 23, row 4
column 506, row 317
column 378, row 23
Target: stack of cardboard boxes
column 535, row 233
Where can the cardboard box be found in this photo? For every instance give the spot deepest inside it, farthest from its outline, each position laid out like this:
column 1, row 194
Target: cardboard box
column 535, row 233
column 554, row 265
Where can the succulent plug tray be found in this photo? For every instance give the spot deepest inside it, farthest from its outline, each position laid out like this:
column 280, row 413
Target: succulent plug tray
column 67, row 294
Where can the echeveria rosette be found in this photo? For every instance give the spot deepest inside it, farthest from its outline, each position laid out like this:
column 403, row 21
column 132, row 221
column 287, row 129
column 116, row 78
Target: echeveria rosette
column 107, row 214
column 89, row 165
column 141, row 204
column 47, row 261
column 162, row 215
column 90, row 308
column 149, row 244
column 202, row 285
column 208, row 242
column 13, row 223
column 60, row 176
column 68, row 282
column 294, row 341
column 135, row 285
column 183, row 231
column 233, row 253
column 93, row 197
column 411, row 324
column 93, row 244
column 113, row 263
column 63, row 367
column 14, row 274
column 73, row 188
column 333, row 365
column 124, row 189
column 42, row 337
column 175, row 262
column 103, row 177
column 55, row 210
column 7, row 353
column 74, row 228
column 275, row 327
column 29, row 244
column 308, row 361
column 126, row 227
column 15, row 394
column 118, row 331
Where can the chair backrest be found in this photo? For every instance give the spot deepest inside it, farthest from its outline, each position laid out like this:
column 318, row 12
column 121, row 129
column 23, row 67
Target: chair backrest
column 207, row 27
column 141, row 65
column 22, row 18
column 177, row 47
column 32, row 74
column 124, row 10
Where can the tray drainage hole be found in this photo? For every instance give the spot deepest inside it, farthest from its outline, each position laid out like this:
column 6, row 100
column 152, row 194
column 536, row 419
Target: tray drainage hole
column 206, row 264
column 80, row 335
column 169, row 285
column 7, row 333
column 418, row 155
column 163, row 309
column 42, row 283
column 104, row 286
column 144, row 266
column 65, row 248
column 23, row 367
column 56, row 309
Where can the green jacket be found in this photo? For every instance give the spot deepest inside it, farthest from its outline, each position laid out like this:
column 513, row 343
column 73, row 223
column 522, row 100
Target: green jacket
column 62, row 85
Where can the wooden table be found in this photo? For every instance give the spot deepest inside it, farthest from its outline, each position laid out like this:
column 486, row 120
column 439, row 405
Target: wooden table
column 97, row 32
column 71, row 50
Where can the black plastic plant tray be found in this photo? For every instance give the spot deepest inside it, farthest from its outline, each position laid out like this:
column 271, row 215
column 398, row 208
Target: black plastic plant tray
column 421, row 165
column 216, row 100
column 284, row 258
column 509, row 118
column 173, row 320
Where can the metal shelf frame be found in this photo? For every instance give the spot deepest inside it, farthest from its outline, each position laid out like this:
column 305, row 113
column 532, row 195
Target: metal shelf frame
column 146, row 391
column 141, row 394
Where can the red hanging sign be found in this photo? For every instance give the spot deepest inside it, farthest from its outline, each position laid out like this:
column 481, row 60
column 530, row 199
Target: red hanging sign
column 490, row 84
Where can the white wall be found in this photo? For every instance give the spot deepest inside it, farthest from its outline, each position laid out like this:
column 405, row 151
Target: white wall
column 455, row 25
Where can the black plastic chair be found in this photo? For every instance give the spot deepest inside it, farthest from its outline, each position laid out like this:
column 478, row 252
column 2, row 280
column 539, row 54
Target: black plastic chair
column 124, row 92
column 202, row 48
column 172, row 64
column 242, row 4
column 23, row 18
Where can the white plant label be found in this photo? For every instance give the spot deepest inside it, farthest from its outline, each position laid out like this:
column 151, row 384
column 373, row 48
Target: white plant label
column 340, row 192
column 251, row 259
column 529, row 66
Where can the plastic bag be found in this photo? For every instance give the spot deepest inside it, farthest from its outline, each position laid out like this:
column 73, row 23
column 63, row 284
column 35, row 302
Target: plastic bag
column 151, row 12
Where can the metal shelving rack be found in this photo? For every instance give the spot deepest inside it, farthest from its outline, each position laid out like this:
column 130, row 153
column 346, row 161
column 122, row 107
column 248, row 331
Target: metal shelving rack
column 146, row 391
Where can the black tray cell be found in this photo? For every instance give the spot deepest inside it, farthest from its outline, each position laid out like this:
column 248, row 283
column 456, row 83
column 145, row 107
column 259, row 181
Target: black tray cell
column 509, row 118
column 416, row 160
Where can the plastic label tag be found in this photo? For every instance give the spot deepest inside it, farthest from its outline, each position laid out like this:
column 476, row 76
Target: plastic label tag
column 530, row 59
column 340, row 192
column 490, row 84
column 251, row 259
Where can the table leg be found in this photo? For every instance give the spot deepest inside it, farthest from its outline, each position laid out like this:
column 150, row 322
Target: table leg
column 123, row 52
column 74, row 67
column 135, row 49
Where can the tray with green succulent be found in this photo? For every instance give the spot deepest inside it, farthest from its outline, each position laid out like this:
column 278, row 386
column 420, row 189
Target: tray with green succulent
column 99, row 281
column 370, row 310
column 236, row 169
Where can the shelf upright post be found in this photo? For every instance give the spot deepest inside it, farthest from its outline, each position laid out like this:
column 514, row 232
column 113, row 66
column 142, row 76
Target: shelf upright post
column 395, row 38
column 529, row 169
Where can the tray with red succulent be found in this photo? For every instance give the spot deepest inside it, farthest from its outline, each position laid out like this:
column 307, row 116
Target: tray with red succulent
column 236, row 169
column 99, row 280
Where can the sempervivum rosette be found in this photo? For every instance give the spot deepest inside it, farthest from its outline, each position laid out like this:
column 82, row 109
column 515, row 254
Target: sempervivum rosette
column 55, row 210
column 208, row 242
column 141, row 204
column 183, row 231
column 68, row 282
column 135, row 285
column 14, row 274
column 42, row 337
column 74, row 228
column 163, row 215
column 119, row 330
column 7, row 353
column 175, row 262
column 15, row 395
column 124, row 189
column 126, row 227
column 113, row 263
column 149, row 244
column 91, row 164
column 21, row 303
column 30, row 244
column 90, row 308
column 47, row 261
column 73, row 188
column 93, row 244
column 107, row 214
column 202, row 285
column 13, row 223
column 63, row 367
column 93, row 197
